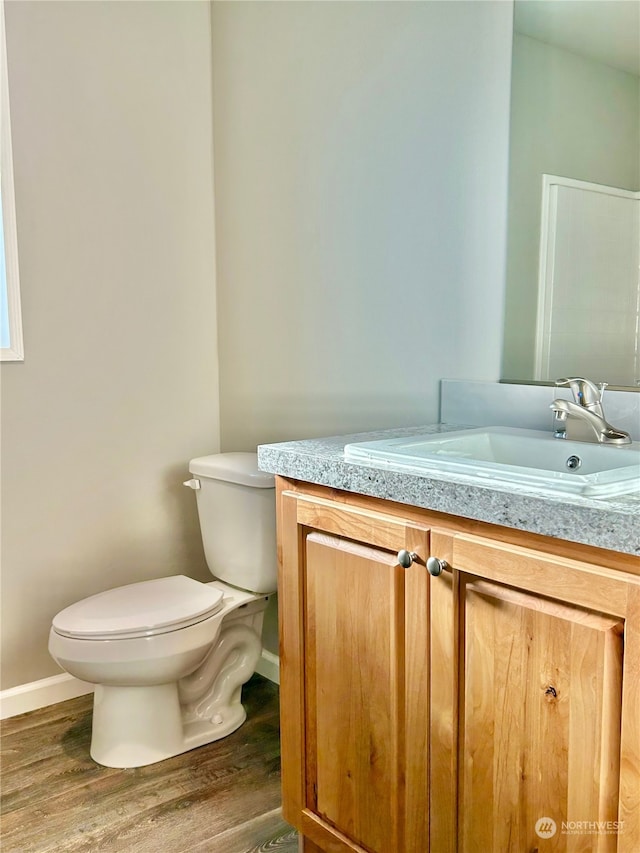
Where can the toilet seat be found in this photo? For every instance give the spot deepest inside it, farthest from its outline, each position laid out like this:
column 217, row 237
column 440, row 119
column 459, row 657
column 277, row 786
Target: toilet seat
column 139, row 610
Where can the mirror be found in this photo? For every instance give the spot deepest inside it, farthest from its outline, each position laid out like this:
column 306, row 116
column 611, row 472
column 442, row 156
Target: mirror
column 575, row 114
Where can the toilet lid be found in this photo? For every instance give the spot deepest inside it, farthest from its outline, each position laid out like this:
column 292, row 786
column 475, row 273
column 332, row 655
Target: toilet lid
column 139, row 610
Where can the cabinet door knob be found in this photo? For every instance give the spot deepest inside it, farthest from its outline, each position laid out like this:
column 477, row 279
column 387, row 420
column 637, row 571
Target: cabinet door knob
column 436, row 567
column 406, row 558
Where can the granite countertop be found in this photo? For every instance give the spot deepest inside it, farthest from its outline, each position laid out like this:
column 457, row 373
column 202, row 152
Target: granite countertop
column 612, row 523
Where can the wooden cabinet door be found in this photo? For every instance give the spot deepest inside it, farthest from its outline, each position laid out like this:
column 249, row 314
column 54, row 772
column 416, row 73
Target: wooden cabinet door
column 354, row 637
column 356, row 700
column 535, row 712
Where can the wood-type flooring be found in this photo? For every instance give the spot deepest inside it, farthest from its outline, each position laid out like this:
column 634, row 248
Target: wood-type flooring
column 219, row 798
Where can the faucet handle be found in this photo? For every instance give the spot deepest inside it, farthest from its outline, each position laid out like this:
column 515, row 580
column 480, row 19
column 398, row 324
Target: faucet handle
column 585, row 392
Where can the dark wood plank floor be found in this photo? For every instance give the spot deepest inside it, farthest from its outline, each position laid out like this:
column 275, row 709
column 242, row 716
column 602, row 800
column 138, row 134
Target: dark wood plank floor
column 220, row 798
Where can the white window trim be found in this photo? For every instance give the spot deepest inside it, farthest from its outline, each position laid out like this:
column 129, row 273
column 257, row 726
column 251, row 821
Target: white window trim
column 14, row 352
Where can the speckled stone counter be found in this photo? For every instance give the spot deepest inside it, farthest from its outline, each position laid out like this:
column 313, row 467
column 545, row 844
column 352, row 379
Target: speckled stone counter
column 612, row 523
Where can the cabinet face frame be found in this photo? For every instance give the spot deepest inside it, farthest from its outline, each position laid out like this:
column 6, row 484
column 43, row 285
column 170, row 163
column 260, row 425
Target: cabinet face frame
column 377, row 522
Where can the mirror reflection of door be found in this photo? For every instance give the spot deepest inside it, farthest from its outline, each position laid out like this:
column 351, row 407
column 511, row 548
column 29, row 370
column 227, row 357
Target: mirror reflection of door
column 575, row 111
column 589, row 283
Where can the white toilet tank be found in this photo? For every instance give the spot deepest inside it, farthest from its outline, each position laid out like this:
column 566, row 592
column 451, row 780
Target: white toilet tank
column 236, row 506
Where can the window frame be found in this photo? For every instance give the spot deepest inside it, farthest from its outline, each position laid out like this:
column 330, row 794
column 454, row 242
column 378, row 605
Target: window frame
column 15, row 350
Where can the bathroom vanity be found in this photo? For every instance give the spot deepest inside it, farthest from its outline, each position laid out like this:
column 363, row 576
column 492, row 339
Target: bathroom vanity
column 488, row 702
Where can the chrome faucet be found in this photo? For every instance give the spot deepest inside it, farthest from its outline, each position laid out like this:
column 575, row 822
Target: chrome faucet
column 583, row 419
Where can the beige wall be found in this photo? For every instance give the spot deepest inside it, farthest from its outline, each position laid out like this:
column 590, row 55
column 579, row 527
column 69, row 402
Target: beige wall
column 112, row 144
column 572, row 117
column 361, row 172
column 361, row 168
column 361, row 165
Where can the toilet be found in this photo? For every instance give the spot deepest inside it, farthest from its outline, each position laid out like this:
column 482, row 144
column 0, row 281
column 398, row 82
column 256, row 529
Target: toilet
column 168, row 657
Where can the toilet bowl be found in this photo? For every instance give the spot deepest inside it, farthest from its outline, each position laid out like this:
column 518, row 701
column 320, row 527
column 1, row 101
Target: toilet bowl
column 169, row 656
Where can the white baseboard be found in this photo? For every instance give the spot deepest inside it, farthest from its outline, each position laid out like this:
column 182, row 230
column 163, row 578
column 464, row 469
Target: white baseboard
column 39, row 694
column 269, row 666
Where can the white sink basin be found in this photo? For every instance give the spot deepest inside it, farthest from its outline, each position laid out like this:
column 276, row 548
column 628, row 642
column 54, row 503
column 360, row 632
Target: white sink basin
column 507, row 455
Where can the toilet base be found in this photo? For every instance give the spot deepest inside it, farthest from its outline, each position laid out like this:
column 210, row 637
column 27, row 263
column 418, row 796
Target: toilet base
column 126, row 735
column 134, row 726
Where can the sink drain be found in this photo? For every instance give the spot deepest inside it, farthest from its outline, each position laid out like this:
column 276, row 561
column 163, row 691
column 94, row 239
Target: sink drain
column 573, row 463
